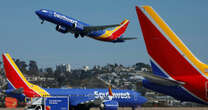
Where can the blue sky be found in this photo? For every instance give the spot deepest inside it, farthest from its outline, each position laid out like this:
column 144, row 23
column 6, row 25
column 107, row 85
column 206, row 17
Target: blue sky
column 22, row 35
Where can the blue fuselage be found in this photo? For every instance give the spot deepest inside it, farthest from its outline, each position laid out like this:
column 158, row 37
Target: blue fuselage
column 125, row 98
column 66, row 22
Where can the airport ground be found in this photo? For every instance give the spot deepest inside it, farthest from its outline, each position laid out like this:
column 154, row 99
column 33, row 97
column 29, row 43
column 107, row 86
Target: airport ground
column 143, row 108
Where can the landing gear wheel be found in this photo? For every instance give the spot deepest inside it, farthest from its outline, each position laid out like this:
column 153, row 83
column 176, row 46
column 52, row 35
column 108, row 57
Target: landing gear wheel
column 42, row 22
column 82, row 35
column 57, row 27
column 133, row 108
column 76, row 35
column 38, row 108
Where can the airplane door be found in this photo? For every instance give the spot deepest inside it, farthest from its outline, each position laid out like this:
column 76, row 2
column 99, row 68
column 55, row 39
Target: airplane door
column 135, row 96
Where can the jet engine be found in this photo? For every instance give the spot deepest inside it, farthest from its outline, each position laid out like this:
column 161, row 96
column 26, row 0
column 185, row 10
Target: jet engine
column 74, row 25
column 61, row 29
column 110, row 105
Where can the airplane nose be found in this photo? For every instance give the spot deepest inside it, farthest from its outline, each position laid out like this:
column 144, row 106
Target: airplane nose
column 139, row 100
column 142, row 100
column 37, row 12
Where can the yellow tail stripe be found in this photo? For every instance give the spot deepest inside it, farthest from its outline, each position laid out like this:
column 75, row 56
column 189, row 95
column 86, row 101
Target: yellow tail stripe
column 167, row 30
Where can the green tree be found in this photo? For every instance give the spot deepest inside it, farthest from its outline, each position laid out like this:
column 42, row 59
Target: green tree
column 33, row 68
column 22, row 65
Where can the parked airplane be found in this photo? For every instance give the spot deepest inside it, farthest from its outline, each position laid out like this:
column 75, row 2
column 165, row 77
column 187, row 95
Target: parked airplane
column 176, row 71
column 20, row 88
column 67, row 24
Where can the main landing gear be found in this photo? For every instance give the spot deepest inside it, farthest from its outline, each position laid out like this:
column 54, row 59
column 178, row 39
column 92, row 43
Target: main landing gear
column 82, row 35
column 77, row 35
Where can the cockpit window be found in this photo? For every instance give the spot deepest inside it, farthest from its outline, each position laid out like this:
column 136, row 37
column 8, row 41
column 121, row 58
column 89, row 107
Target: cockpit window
column 44, row 11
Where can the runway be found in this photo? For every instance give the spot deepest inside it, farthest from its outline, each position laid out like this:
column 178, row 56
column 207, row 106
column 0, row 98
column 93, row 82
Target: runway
column 168, row 108
column 143, row 108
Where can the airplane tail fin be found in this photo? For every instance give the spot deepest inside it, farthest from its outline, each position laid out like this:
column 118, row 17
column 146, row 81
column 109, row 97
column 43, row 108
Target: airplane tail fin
column 110, row 93
column 119, row 30
column 169, row 55
column 16, row 79
column 171, row 60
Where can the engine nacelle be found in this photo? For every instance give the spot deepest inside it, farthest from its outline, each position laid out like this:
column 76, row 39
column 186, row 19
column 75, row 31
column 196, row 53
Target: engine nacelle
column 61, row 29
column 74, row 25
column 110, row 105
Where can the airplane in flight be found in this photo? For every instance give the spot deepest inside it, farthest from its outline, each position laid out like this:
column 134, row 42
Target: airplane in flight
column 20, row 88
column 176, row 71
column 65, row 24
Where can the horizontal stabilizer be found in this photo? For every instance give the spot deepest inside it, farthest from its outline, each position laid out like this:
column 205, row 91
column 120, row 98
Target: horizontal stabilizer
column 13, row 91
column 97, row 28
column 18, row 91
column 161, row 80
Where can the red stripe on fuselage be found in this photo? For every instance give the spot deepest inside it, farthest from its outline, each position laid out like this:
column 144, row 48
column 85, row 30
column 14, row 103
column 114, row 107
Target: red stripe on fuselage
column 170, row 59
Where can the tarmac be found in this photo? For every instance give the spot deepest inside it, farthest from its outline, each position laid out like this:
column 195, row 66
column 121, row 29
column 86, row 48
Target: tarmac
column 167, row 108
column 142, row 108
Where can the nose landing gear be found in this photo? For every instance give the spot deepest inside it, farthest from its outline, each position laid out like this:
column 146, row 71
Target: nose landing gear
column 42, row 22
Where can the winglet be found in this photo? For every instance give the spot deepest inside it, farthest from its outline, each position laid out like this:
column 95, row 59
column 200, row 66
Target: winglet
column 124, row 21
column 109, row 90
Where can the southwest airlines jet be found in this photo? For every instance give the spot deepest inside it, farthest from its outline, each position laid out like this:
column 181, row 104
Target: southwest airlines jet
column 65, row 24
column 20, row 88
column 176, row 71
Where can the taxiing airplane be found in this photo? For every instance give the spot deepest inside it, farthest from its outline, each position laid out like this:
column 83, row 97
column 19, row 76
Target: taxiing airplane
column 176, row 71
column 20, row 88
column 67, row 24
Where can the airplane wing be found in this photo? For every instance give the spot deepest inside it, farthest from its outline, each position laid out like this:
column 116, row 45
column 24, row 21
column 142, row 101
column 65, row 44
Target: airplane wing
column 92, row 100
column 18, row 91
column 161, row 80
column 127, row 38
column 82, row 100
column 97, row 28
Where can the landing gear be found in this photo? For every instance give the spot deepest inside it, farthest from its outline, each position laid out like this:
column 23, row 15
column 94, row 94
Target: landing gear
column 76, row 35
column 79, row 107
column 38, row 108
column 82, row 35
column 42, row 22
column 133, row 108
